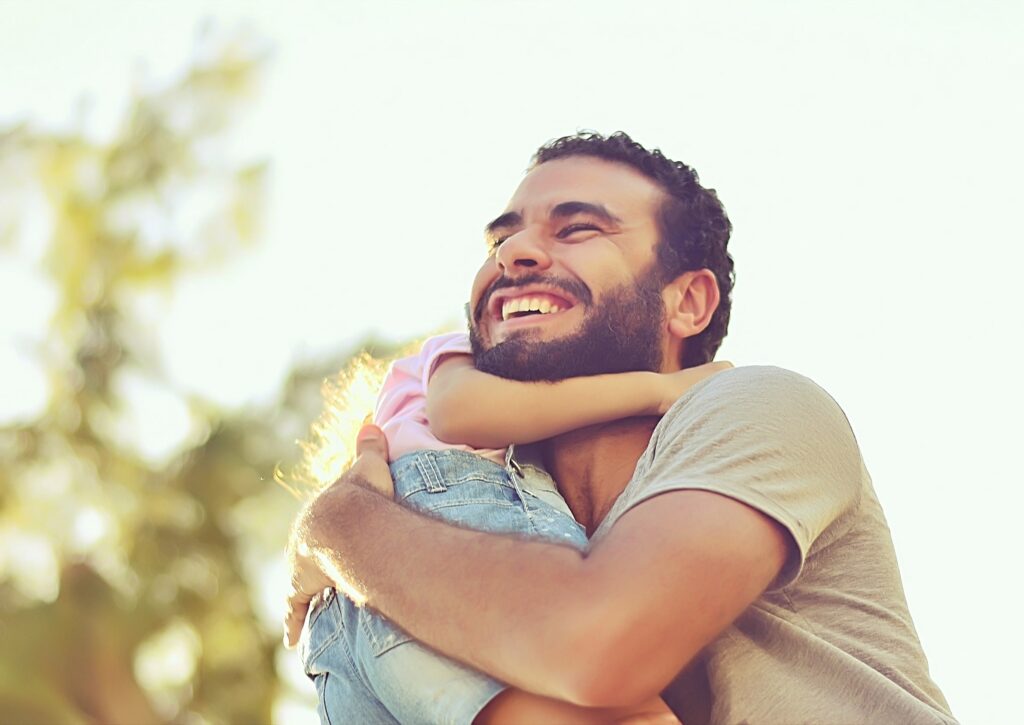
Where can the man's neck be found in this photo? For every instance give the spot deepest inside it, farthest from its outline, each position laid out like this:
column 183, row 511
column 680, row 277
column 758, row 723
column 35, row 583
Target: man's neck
column 592, row 465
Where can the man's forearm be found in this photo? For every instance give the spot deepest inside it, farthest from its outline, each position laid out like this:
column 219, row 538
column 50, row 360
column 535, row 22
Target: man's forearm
column 608, row 629
column 509, row 607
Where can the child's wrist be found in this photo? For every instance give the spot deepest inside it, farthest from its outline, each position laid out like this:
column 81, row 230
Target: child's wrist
column 654, row 396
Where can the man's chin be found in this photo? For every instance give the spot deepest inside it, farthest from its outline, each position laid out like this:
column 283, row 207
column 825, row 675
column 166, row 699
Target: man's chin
column 512, row 354
column 533, row 334
column 523, row 357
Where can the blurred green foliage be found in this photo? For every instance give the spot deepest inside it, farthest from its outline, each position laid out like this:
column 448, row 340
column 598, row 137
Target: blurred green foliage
column 128, row 586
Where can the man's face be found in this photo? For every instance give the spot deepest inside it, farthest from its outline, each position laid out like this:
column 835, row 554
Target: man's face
column 570, row 287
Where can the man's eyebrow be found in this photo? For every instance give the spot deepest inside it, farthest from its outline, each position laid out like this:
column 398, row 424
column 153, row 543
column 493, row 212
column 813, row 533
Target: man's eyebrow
column 572, row 208
column 508, row 219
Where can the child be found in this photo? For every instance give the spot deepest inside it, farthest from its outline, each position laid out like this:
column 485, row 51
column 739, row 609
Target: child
column 449, row 427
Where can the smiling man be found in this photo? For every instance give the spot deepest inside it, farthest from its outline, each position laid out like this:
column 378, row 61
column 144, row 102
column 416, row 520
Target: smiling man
column 739, row 563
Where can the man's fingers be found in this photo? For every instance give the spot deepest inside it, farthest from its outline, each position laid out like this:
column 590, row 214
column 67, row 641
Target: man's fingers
column 295, row 618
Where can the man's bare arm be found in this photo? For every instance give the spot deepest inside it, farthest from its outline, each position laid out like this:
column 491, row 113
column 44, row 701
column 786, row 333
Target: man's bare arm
column 608, row 629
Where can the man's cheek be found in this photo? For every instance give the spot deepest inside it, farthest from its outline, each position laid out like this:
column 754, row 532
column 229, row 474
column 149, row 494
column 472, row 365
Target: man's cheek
column 477, row 307
column 485, row 277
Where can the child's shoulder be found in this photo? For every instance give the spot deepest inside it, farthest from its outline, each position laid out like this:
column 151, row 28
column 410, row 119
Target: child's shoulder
column 421, row 364
column 447, row 344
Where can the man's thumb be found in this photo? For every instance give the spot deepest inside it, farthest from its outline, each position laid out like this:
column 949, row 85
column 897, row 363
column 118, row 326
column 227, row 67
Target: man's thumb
column 371, row 440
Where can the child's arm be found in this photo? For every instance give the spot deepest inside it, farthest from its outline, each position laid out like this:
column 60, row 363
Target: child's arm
column 467, row 406
column 515, row 706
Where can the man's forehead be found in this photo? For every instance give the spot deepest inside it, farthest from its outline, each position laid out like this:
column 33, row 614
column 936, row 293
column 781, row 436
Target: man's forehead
column 618, row 187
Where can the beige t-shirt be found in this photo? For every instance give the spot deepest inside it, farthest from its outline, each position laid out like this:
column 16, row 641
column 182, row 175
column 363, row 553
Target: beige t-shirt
column 831, row 641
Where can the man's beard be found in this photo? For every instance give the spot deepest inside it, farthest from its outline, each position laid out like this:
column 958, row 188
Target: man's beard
column 621, row 334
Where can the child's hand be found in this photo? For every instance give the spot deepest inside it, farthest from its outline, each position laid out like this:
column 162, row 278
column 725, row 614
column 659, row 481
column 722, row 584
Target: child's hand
column 673, row 385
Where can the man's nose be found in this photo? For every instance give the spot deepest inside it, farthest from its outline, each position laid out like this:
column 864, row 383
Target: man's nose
column 523, row 251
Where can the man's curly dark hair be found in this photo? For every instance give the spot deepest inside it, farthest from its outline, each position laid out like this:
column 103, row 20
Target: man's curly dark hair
column 692, row 222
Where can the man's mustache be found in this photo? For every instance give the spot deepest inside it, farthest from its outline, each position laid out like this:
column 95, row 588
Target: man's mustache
column 576, row 289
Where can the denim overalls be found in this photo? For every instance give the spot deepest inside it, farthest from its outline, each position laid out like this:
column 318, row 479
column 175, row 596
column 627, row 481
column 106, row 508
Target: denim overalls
column 366, row 669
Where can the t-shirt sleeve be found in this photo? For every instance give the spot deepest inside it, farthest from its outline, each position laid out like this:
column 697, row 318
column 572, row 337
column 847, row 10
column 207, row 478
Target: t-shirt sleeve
column 768, row 438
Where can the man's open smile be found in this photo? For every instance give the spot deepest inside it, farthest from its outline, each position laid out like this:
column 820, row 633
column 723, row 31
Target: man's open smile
column 528, row 305
column 523, row 306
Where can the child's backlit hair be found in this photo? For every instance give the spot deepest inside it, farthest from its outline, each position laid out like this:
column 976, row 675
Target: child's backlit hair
column 330, row 447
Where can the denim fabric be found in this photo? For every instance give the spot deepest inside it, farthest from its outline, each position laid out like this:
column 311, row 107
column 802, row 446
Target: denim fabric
column 368, row 670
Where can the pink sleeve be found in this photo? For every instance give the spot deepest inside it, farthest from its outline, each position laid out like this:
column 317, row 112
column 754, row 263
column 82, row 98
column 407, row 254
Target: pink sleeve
column 402, row 403
column 436, row 349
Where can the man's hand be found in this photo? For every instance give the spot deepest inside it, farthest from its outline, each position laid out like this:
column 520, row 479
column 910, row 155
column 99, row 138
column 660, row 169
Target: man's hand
column 307, row 580
column 370, row 469
column 311, row 571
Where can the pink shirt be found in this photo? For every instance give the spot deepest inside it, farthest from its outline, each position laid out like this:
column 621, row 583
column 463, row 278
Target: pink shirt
column 402, row 404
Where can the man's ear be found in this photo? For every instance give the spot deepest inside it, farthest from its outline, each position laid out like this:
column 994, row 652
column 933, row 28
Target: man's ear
column 690, row 301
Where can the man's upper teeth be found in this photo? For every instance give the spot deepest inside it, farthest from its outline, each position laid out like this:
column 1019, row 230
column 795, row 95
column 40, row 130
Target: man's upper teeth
column 527, row 304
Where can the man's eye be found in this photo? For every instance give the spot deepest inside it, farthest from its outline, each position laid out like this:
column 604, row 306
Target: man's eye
column 573, row 228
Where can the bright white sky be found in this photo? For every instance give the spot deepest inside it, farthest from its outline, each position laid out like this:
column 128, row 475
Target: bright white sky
column 869, row 155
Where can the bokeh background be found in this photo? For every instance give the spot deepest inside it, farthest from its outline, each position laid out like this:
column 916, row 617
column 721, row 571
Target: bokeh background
column 207, row 209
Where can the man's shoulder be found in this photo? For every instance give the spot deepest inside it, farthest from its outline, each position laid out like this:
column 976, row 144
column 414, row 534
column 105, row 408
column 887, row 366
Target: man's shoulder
column 759, row 408
column 753, row 389
column 768, row 437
